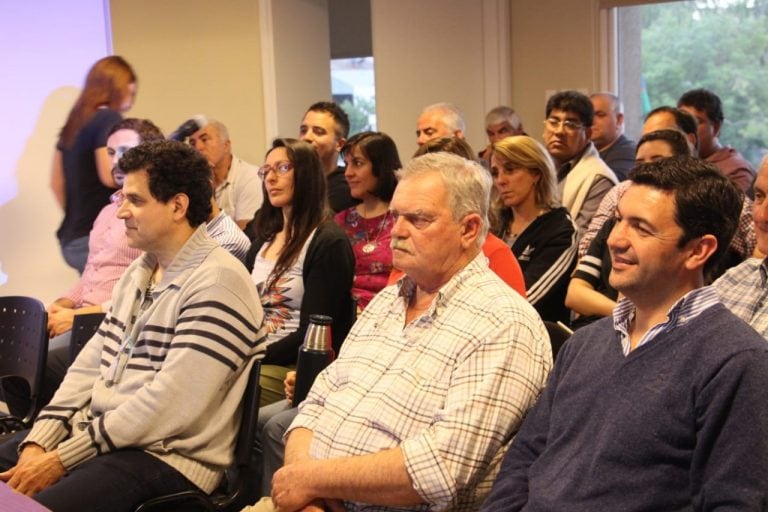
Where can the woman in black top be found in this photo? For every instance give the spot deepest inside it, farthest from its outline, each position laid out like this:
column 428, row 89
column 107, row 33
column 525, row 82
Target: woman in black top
column 531, row 220
column 81, row 175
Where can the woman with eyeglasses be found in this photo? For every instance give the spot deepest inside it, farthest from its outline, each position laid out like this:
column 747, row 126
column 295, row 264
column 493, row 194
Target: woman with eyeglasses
column 81, row 174
column 372, row 160
column 532, row 222
column 300, row 260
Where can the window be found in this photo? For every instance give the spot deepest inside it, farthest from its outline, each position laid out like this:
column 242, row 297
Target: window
column 668, row 48
column 352, row 87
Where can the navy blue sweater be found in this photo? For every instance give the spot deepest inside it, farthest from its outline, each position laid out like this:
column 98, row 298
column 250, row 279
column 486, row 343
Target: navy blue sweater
column 681, row 423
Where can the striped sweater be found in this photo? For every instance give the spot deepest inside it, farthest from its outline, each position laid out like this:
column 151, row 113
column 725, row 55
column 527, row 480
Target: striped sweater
column 169, row 381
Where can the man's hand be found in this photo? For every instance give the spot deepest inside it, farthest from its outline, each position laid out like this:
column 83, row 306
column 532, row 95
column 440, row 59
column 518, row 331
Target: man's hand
column 59, row 319
column 289, row 385
column 290, row 489
column 35, row 471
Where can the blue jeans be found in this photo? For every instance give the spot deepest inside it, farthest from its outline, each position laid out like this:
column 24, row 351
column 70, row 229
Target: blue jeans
column 75, row 253
column 113, row 482
column 274, row 420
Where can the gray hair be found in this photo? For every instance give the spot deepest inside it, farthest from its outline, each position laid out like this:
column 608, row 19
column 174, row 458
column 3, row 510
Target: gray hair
column 452, row 116
column 501, row 114
column 468, row 185
column 220, row 128
column 616, row 105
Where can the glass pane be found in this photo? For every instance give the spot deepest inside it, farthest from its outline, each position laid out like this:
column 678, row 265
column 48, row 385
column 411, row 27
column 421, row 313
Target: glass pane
column 353, row 87
column 722, row 45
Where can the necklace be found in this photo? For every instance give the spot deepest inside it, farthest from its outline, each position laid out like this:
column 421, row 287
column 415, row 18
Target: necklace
column 370, row 245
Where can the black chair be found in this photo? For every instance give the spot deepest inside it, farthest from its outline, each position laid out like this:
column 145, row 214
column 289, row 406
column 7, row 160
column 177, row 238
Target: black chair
column 23, row 352
column 558, row 335
column 83, row 329
column 236, row 480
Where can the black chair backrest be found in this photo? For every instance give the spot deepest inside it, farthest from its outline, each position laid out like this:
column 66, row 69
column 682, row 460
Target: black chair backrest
column 83, row 329
column 24, row 345
column 238, row 474
column 557, row 336
column 247, row 434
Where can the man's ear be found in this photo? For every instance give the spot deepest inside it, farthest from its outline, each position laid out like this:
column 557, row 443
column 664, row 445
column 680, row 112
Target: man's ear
column 619, row 118
column 716, row 126
column 470, row 229
column 702, row 249
column 459, row 134
column 180, row 206
column 340, row 144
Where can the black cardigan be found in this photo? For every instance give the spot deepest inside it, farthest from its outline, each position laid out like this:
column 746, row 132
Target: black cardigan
column 328, row 271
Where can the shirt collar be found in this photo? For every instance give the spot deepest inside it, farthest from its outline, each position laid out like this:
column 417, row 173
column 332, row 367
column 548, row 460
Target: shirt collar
column 685, row 309
column 449, row 289
column 564, row 169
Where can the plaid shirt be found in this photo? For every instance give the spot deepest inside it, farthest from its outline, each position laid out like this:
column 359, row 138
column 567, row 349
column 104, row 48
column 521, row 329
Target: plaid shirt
column 688, row 307
column 744, row 289
column 743, row 241
column 450, row 388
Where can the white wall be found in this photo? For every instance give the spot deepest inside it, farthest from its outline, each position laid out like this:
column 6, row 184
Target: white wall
column 196, row 57
column 296, row 56
column 427, row 52
column 46, row 48
column 554, row 47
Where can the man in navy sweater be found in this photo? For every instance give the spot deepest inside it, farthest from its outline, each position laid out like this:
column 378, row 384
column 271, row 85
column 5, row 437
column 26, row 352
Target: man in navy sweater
column 662, row 406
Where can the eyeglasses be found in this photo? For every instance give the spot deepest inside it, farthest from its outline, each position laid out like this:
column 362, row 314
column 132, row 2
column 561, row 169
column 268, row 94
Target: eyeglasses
column 553, row 123
column 280, row 168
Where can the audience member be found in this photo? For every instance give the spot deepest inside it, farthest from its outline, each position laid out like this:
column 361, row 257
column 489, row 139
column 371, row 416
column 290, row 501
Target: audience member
column 372, row 160
column 326, row 127
column 439, row 120
column 707, row 108
column 590, row 293
column 129, row 423
column 671, row 118
column 583, row 178
column 108, row 256
column 300, row 261
column 743, row 288
column 662, row 406
column 617, row 151
column 532, row 222
column 236, row 186
column 81, row 176
column 662, row 118
column 500, row 257
column 500, row 122
column 436, row 374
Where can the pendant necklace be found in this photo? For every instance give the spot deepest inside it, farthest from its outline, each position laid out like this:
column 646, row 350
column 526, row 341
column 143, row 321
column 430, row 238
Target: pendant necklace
column 370, row 245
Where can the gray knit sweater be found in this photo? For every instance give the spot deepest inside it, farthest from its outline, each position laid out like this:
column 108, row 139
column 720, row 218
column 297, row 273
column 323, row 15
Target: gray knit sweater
column 172, row 388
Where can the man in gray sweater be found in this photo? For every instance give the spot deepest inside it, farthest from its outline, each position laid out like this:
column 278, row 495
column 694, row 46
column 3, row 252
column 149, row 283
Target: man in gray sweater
column 151, row 404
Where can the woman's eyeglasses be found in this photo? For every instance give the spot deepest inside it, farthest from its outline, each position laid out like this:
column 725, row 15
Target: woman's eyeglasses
column 280, row 168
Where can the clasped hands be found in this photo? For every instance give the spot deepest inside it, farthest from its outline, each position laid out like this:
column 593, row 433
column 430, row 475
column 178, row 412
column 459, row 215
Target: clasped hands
column 36, row 470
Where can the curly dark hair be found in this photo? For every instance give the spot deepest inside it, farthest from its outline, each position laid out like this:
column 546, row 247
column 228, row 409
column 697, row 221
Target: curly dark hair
column 174, row 168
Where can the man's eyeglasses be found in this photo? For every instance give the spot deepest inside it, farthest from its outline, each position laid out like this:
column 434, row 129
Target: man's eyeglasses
column 553, row 123
column 280, row 168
